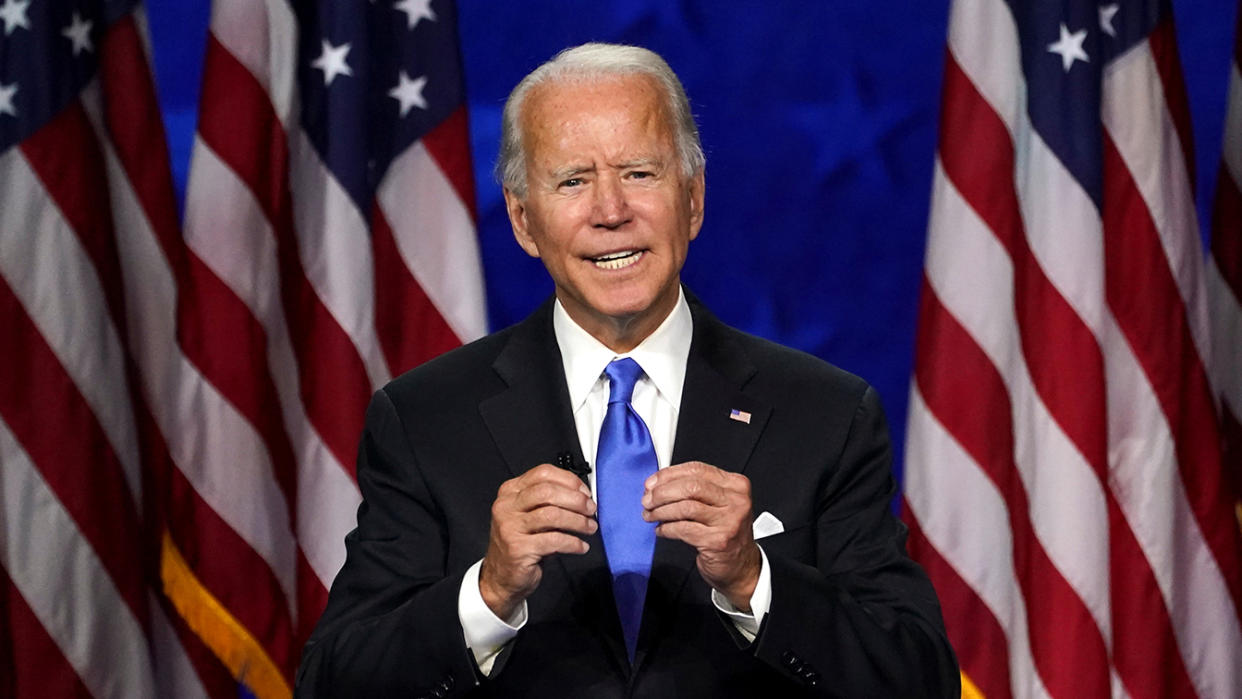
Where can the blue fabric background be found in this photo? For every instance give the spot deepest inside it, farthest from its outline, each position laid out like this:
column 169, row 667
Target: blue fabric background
column 819, row 120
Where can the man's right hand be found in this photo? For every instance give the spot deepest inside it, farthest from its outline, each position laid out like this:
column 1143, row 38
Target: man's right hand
column 534, row 515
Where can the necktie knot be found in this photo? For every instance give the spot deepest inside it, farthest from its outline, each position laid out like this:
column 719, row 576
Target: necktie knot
column 622, row 375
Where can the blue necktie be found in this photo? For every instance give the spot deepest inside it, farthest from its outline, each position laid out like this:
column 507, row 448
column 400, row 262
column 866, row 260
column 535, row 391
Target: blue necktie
column 625, row 459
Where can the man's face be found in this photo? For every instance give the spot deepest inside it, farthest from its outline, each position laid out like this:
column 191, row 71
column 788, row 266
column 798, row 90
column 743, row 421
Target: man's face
column 608, row 209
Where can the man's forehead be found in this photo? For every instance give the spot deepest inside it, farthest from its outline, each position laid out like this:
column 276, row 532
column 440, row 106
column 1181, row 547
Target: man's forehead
column 625, row 111
column 590, row 81
column 554, row 101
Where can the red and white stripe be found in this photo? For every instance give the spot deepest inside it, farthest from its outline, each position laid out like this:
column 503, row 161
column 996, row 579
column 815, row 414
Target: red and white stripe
column 1224, row 276
column 80, row 483
column 1063, row 484
column 287, row 322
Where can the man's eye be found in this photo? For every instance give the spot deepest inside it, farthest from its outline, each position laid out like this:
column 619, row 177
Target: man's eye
column 640, row 175
column 572, row 182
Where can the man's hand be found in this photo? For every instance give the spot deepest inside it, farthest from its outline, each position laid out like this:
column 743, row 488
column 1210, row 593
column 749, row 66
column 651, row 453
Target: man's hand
column 534, row 515
column 709, row 509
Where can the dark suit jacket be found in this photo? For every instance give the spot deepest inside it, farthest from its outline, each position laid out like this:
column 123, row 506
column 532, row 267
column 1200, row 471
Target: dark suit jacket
column 851, row 614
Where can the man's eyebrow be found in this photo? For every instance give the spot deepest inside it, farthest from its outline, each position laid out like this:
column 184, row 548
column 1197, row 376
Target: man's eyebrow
column 571, row 171
column 653, row 163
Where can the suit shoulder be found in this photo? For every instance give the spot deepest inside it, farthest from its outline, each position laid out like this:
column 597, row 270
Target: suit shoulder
column 462, row 371
column 788, row 369
column 768, row 366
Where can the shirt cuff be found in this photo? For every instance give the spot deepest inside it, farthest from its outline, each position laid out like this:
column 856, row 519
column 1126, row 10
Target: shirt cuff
column 760, row 601
column 486, row 634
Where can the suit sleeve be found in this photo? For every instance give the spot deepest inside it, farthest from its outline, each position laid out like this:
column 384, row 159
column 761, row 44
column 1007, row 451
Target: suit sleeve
column 391, row 625
column 864, row 621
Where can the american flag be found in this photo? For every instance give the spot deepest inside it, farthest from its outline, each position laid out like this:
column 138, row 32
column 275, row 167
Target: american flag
column 1065, row 486
column 330, row 245
column 1224, row 275
column 87, row 233
column 179, row 409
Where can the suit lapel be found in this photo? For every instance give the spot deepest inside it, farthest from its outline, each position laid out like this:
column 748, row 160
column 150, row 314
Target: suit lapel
column 716, row 373
column 532, row 422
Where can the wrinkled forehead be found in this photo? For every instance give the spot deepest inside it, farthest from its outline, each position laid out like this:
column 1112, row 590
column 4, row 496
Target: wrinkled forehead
column 627, row 108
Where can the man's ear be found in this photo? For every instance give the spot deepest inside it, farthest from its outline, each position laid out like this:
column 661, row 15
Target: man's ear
column 698, row 186
column 516, row 207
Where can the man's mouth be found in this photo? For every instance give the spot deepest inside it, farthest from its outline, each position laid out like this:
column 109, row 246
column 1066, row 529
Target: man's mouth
column 617, row 260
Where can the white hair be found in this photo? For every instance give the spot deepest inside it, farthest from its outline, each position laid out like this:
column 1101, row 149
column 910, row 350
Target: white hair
column 597, row 60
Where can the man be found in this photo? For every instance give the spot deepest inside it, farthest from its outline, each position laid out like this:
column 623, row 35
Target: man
column 568, row 507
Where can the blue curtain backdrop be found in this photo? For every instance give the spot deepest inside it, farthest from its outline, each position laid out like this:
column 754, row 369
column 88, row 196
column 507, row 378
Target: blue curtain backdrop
column 819, row 120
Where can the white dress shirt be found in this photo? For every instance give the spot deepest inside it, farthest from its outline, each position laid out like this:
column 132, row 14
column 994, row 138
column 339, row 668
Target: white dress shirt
column 656, row 399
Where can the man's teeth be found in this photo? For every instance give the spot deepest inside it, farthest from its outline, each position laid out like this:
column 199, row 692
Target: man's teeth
column 618, row 260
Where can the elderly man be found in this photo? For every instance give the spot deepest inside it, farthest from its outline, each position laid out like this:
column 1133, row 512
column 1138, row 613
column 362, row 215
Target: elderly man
column 621, row 496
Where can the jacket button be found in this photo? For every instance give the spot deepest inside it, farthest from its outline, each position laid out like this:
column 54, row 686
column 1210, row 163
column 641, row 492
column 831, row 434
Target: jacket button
column 790, row 659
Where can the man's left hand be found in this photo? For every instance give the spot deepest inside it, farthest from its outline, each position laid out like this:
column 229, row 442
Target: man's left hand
column 710, row 509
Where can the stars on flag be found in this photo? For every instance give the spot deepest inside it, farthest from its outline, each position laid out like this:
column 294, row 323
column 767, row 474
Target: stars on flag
column 13, row 14
column 332, row 61
column 372, row 71
column 415, row 10
column 79, row 32
column 7, row 93
column 53, row 42
column 1069, row 47
column 1107, row 12
column 409, row 92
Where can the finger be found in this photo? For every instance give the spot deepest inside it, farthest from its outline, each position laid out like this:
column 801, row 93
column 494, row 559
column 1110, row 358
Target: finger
column 551, row 518
column 684, row 510
column 548, row 493
column 686, row 488
column 686, row 469
column 543, row 473
column 695, row 534
column 704, row 539
column 698, row 470
column 548, row 543
column 547, row 473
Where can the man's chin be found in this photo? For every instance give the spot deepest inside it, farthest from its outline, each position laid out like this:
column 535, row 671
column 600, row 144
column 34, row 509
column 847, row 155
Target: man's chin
column 620, row 308
column 625, row 311
column 619, row 314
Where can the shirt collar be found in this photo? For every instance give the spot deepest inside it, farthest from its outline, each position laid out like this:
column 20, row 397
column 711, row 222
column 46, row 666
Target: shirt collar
column 662, row 355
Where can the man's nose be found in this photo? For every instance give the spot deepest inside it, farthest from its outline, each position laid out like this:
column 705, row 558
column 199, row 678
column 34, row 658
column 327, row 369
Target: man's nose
column 611, row 209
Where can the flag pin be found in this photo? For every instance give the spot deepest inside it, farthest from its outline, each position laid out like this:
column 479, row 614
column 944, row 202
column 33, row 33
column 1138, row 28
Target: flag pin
column 739, row 415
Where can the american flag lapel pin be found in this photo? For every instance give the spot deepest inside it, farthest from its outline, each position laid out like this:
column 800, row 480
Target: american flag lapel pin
column 739, row 415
